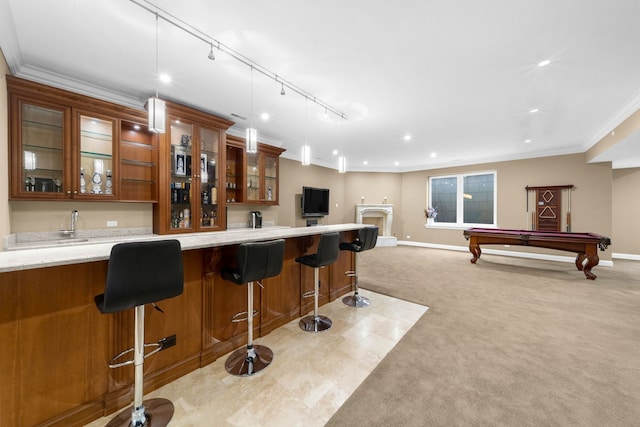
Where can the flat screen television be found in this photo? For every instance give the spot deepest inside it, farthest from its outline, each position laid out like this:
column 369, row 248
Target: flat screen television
column 315, row 202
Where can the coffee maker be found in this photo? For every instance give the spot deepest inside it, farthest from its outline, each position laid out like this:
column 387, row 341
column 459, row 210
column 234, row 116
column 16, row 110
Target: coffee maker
column 255, row 219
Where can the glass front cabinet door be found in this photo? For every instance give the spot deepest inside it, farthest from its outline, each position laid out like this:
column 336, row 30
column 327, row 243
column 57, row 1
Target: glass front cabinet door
column 262, row 175
column 94, row 171
column 56, row 163
column 182, row 180
column 40, row 133
column 208, row 176
column 192, row 198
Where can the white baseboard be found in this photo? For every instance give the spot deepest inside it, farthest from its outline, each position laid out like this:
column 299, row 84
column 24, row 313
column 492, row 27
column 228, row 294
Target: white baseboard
column 631, row 257
column 510, row 253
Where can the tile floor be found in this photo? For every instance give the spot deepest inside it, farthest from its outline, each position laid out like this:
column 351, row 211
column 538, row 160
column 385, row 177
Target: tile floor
column 310, row 377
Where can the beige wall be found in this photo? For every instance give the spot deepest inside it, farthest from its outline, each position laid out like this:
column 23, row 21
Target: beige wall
column 293, row 176
column 591, row 199
column 374, row 187
column 28, row 216
column 626, row 211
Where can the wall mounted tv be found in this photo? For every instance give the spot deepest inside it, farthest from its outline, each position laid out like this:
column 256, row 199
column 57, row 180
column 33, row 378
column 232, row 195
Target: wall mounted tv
column 315, row 202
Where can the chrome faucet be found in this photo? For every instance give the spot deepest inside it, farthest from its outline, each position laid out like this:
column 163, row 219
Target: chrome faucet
column 74, row 220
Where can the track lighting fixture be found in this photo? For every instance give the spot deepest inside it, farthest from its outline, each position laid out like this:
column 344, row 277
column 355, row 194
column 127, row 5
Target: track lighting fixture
column 149, row 6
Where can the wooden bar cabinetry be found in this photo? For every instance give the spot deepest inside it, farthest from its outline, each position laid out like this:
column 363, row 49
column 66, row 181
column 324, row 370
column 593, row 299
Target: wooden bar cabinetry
column 67, row 146
column 55, row 344
column 192, row 172
column 258, row 174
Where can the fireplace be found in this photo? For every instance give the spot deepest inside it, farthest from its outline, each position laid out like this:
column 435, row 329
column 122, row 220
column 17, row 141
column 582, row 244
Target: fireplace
column 380, row 215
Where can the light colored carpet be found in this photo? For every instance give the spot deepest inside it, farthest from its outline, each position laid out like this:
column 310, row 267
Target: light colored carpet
column 506, row 342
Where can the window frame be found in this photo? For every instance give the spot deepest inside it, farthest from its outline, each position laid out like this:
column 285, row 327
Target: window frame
column 460, row 200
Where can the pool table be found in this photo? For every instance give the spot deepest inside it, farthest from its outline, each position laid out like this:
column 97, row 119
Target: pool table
column 584, row 244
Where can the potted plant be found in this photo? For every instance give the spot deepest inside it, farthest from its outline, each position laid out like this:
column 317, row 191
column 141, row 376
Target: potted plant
column 431, row 214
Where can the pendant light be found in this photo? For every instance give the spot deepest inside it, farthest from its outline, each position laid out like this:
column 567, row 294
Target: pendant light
column 342, row 164
column 252, row 134
column 306, row 149
column 155, row 106
column 342, row 160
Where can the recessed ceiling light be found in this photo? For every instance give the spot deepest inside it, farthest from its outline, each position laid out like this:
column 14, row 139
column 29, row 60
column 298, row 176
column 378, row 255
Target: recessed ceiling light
column 407, row 137
column 396, row 163
column 544, row 63
column 264, row 116
column 334, row 152
column 136, row 127
column 165, row 78
column 526, row 141
column 365, row 163
column 433, row 155
column 533, row 110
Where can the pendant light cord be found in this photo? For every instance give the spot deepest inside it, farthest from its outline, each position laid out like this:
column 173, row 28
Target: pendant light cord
column 157, row 56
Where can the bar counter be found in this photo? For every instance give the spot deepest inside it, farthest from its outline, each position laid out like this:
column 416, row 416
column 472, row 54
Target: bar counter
column 55, row 344
column 35, row 255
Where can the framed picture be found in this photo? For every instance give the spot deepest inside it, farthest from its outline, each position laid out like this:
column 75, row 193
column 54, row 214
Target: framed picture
column 180, row 162
column 203, row 167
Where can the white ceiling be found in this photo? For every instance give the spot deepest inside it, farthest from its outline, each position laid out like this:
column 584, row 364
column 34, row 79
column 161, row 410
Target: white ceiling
column 459, row 76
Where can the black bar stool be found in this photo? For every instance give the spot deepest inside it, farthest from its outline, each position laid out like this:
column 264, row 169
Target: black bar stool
column 142, row 273
column 367, row 238
column 327, row 254
column 256, row 261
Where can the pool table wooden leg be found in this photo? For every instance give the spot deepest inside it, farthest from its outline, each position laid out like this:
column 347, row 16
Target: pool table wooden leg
column 592, row 261
column 475, row 251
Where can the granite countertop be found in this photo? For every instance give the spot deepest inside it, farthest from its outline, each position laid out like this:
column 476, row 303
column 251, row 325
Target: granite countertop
column 32, row 255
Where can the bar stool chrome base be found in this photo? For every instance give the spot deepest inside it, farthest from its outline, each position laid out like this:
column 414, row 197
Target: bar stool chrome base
column 356, row 301
column 157, row 413
column 315, row 323
column 248, row 361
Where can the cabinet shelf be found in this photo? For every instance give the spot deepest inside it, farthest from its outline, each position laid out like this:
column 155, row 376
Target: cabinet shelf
column 96, row 135
column 149, row 181
column 96, row 155
column 136, row 144
column 137, row 163
column 53, row 126
column 39, row 172
column 42, row 148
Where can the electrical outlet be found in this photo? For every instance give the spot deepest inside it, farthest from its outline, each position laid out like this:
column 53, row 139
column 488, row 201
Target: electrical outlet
column 167, row 342
column 112, row 223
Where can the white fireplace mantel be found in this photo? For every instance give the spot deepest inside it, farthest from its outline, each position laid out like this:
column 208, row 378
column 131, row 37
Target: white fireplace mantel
column 384, row 211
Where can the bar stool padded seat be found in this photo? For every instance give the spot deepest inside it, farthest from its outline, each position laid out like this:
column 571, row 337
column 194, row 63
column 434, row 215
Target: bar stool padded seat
column 256, row 261
column 367, row 239
column 327, row 254
column 141, row 273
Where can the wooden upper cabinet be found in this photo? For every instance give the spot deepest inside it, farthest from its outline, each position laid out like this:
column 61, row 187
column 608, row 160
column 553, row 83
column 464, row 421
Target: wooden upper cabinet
column 68, row 146
column 258, row 175
column 192, row 172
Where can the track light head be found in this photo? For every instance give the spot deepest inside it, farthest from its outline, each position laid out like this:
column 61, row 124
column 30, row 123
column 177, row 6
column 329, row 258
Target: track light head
column 282, row 92
column 211, row 56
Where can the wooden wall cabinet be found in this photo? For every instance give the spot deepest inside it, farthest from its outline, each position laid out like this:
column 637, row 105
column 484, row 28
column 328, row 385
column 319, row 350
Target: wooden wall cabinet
column 192, row 173
column 259, row 174
column 68, row 146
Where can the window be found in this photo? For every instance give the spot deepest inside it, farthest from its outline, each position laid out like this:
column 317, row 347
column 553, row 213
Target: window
column 464, row 200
